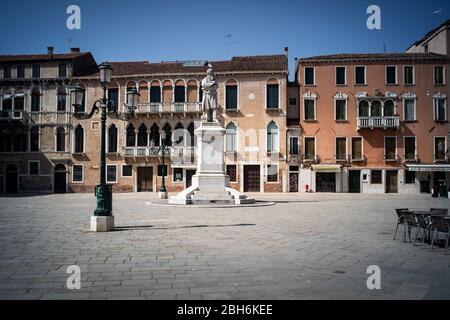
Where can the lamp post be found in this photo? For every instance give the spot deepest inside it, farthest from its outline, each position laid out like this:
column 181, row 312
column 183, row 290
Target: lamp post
column 162, row 191
column 103, row 220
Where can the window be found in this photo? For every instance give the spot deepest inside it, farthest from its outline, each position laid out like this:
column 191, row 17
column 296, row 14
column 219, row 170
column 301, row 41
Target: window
column 232, row 172
column 33, row 168
column 154, row 135
column 360, row 75
column 272, row 96
column 79, row 139
column 375, row 109
column 34, row 139
column 77, row 175
column 6, row 72
column 439, row 77
column 61, row 98
column 19, row 102
column 36, row 71
column 179, row 94
column 62, row 70
column 35, row 100
column 390, row 148
column 292, row 101
column 127, row 170
column 113, row 97
column 410, row 109
column 310, row 109
column 310, row 148
column 231, row 134
column 410, row 177
column 7, row 103
column 111, row 173
column 231, row 95
column 439, row 148
column 440, row 109
column 389, row 108
column 410, row 148
column 131, row 136
column 168, row 130
column 272, row 137
column 341, row 78
column 363, row 108
column 112, row 139
column 155, row 94
column 341, row 109
column 20, row 71
column 293, row 145
column 408, row 73
column 272, row 173
column 341, row 149
column 357, row 148
column 376, row 177
column 142, row 136
column 309, row 76
column 162, row 170
column 391, row 75
column 177, row 174
column 60, row 139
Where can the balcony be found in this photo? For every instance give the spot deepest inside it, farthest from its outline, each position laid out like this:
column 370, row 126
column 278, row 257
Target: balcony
column 357, row 157
column 378, row 122
column 169, row 108
column 178, row 155
column 141, row 152
column 341, row 158
column 183, row 156
column 13, row 115
column 391, row 158
column 410, row 157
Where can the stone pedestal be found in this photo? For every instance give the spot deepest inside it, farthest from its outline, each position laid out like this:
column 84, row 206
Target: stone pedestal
column 102, row 224
column 210, row 184
column 162, row 195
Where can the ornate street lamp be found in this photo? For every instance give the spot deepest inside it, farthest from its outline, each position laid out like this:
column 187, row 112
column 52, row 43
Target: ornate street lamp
column 163, row 149
column 103, row 219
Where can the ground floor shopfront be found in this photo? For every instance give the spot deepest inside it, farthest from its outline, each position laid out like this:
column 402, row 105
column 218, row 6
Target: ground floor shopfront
column 409, row 179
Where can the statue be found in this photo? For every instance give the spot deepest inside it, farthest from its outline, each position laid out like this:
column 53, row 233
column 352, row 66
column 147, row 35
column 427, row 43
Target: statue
column 209, row 102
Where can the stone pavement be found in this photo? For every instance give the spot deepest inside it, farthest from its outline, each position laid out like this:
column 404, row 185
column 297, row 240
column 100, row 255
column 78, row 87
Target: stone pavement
column 307, row 246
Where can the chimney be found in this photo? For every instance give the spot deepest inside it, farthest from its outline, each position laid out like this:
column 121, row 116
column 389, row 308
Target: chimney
column 74, row 50
column 50, row 51
column 286, row 50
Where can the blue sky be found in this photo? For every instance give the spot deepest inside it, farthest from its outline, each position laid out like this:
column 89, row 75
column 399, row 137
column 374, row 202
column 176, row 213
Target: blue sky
column 158, row 30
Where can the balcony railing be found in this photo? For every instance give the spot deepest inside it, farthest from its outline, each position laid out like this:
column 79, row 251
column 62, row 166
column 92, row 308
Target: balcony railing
column 441, row 157
column 341, row 157
column 177, row 154
column 183, row 155
column 357, row 157
column 391, row 158
column 378, row 122
column 169, row 107
column 411, row 157
column 8, row 115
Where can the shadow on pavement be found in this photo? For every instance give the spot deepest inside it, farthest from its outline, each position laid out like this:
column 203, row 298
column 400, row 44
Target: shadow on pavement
column 125, row 228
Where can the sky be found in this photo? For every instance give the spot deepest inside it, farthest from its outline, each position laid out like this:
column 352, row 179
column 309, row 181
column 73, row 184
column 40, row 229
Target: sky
column 168, row 30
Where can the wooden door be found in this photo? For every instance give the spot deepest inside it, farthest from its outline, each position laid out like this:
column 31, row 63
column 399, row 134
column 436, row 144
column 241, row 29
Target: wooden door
column 11, row 179
column 144, row 179
column 252, row 178
column 293, row 182
column 391, row 181
column 354, row 181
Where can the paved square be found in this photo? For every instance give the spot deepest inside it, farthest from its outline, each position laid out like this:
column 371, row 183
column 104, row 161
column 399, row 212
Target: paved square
column 307, row 246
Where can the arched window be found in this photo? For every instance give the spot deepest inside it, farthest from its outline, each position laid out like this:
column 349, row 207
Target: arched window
column 34, row 139
column 154, row 135
column 61, row 98
column 168, row 130
column 272, row 137
column 60, row 139
column 178, row 136
column 180, row 92
column 155, row 92
column 112, row 139
column 375, row 109
column 389, row 108
column 142, row 136
column 79, row 139
column 131, row 136
column 363, row 108
column 231, row 134
column 35, row 100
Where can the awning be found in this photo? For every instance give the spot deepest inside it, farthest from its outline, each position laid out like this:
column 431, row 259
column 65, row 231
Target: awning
column 326, row 168
column 428, row 167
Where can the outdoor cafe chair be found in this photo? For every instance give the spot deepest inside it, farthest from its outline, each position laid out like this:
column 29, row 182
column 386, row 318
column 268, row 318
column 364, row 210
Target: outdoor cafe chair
column 439, row 224
column 400, row 218
column 439, row 211
column 424, row 225
column 410, row 223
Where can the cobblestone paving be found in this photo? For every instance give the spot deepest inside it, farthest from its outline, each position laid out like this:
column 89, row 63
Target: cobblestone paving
column 307, row 246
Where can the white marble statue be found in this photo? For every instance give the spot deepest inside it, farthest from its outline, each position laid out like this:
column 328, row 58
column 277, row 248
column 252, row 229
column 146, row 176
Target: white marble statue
column 209, row 102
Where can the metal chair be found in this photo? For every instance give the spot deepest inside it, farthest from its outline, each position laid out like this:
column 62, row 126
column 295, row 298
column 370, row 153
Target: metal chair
column 400, row 219
column 439, row 225
column 424, row 223
column 439, row 211
column 410, row 223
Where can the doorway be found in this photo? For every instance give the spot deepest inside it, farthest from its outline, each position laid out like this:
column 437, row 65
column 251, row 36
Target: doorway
column 189, row 174
column 325, row 182
column 60, row 179
column 11, row 179
column 354, row 181
column 144, row 179
column 293, row 182
column 252, row 176
column 391, row 181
